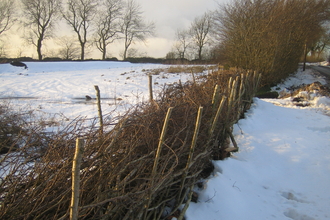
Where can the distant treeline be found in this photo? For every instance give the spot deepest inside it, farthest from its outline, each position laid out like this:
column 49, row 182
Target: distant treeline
column 130, row 59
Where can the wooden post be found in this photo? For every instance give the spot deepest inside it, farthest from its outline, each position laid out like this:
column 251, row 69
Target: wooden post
column 194, row 140
column 160, row 143
column 76, row 178
column 98, row 96
column 192, row 148
column 217, row 114
column 154, row 169
column 193, row 76
column 151, row 98
column 215, row 98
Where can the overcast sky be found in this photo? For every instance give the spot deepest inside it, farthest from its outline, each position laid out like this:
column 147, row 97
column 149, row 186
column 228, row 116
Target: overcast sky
column 167, row 15
column 170, row 15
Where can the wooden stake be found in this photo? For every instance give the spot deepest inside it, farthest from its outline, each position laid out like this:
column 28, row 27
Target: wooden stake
column 215, row 120
column 76, row 178
column 160, row 143
column 193, row 76
column 194, row 140
column 151, row 97
column 233, row 141
column 154, row 169
column 98, row 96
column 215, row 97
column 192, row 147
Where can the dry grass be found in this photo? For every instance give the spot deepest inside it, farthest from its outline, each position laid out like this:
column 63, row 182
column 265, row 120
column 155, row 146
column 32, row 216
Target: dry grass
column 180, row 69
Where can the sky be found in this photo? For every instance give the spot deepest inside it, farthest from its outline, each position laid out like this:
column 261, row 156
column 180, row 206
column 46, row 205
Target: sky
column 167, row 15
column 171, row 15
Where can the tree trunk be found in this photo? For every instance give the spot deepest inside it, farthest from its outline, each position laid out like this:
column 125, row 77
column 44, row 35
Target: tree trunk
column 39, row 45
column 125, row 53
column 82, row 56
column 305, row 57
column 200, row 53
column 104, row 53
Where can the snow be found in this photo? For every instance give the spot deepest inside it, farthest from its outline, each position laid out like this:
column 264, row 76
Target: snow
column 282, row 168
column 316, row 102
column 59, row 88
column 280, row 172
column 299, row 78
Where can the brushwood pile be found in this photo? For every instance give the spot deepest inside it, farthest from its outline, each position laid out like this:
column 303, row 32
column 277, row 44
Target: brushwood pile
column 121, row 176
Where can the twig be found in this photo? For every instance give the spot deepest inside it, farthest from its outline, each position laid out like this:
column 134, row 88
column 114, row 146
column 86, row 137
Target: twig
column 215, row 192
column 236, row 186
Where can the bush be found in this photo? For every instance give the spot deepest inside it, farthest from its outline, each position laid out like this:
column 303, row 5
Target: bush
column 52, row 59
column 144, row 60
column 111, row 59
column 10, row 128
column 269, row 36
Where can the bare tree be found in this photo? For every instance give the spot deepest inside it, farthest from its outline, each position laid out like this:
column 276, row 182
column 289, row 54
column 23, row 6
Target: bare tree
column 108, row 26
column 2, row 50
column 171, row 55
column 7, row 15
column 182, row 43
column 318, row 48
column 79, row 15
column 40, row 17
column 69, row 48
column 200, row 32
column 134, row 27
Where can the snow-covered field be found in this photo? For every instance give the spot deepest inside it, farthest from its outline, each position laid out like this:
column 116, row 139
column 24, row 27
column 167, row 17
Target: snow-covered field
column 58, row 89
column 282, row 170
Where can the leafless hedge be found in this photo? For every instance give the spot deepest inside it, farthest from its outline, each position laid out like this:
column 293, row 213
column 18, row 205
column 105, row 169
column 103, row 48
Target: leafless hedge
column 130, row 172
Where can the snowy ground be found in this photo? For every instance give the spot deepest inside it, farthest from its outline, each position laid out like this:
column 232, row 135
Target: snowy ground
column 282, row 170
column 58, row 89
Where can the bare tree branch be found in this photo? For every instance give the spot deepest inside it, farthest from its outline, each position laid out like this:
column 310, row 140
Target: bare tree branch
column 40, row 17
column 7, row 15
column 183, row 42
column 80, row 15
column 69, row 48
column 108, row 26
column 200, row 32
column 134, row 27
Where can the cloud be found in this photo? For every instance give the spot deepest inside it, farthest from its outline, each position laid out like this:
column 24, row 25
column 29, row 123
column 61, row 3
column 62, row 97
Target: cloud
column 158, row 47
column 170, row 15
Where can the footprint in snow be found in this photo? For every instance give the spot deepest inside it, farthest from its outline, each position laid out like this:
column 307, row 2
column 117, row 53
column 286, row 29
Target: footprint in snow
column 293, row 214
column 291, row 196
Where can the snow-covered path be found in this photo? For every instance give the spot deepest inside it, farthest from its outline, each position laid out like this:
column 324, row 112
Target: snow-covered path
column 282, row 170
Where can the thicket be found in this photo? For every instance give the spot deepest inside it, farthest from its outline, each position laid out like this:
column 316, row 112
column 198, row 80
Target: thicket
column 270, row 36
column 133, row 170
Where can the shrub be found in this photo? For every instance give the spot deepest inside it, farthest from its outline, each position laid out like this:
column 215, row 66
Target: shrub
column 269, row 36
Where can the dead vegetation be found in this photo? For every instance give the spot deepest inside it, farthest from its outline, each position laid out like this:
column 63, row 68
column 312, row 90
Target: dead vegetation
column 143, row 168
column 180, row 69
column 315, row 87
